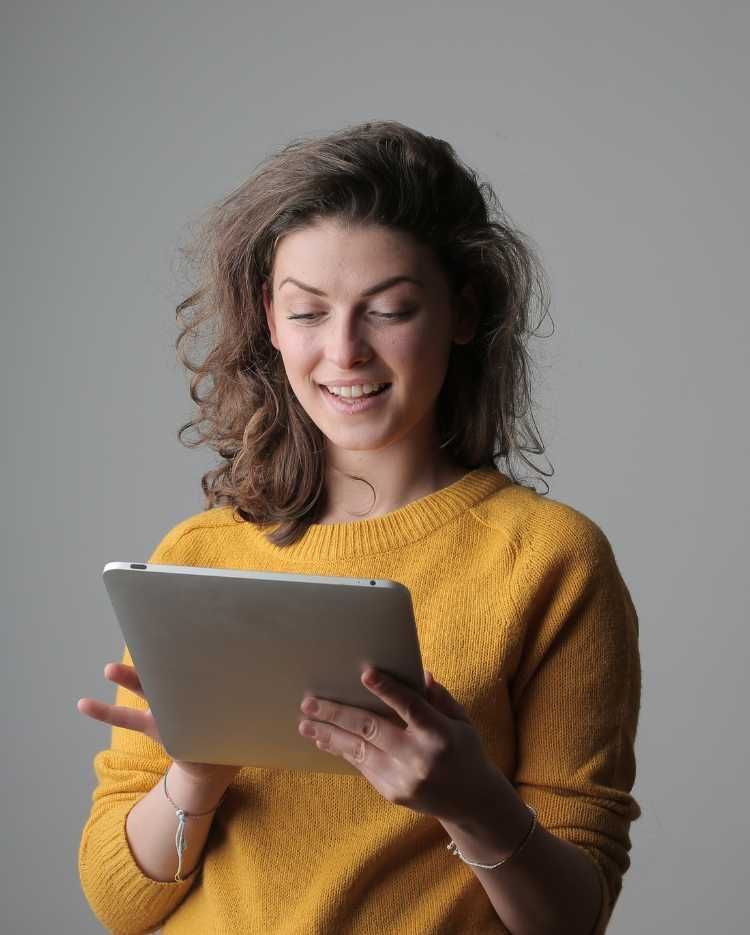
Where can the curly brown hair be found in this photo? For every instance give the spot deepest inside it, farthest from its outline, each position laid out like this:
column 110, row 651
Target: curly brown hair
column 382, row 172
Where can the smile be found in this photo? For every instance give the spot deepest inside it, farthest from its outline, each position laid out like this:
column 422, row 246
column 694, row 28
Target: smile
column 356, row 390
column 355, row 404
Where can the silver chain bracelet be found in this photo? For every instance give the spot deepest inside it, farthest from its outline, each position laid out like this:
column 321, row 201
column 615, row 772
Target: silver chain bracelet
column 454, row 849
column 180, row 839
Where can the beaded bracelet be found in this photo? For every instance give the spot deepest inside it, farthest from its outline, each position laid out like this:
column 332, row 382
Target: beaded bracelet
column 180, row 840
column 453, row 847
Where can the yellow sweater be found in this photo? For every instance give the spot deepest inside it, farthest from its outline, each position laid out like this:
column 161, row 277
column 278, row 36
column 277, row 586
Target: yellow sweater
column 521, row 613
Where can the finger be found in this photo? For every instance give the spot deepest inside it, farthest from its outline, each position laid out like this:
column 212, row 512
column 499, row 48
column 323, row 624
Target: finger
column 127, row 676
column 356, row 750
column 358, row 722
column 411, row 707
column 116, row 715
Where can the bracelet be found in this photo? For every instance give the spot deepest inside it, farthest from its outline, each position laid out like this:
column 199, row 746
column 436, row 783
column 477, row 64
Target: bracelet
column 453, row 847
column 180, row 840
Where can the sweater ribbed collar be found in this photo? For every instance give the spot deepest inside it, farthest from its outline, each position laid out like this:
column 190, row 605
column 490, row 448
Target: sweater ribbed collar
column 400, row 527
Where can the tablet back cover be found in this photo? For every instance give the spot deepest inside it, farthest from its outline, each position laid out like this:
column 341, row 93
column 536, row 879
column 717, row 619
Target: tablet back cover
column 225, row 656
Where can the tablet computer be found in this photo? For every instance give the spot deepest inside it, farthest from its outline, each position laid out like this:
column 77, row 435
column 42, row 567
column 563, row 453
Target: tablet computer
column 225, row 656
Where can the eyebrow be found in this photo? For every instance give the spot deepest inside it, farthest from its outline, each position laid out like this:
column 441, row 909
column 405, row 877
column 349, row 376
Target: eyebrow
column 378, row 287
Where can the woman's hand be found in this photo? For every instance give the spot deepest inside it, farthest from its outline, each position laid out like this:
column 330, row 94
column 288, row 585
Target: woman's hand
column 435, row 764
column 145, row 722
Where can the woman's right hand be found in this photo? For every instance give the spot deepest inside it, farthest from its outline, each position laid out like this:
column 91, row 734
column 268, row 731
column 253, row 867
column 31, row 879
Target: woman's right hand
column 145, row 722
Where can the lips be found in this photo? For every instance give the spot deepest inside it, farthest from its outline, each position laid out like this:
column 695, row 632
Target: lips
column 353, row 405
column 383, row 388
column 338, row 383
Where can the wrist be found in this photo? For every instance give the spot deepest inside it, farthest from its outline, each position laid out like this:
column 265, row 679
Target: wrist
column 495, row 822
column 195, row 794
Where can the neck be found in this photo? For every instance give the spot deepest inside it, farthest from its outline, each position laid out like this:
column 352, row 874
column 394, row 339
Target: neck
column 397, row 481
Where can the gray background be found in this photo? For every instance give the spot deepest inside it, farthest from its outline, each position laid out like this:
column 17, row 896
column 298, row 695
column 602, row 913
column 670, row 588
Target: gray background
column 615, row 135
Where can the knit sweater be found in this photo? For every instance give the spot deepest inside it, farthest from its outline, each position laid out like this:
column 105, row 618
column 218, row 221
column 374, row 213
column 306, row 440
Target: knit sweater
column 521, row 612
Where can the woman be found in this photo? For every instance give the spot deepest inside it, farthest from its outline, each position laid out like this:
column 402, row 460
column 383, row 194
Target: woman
column 372, row 263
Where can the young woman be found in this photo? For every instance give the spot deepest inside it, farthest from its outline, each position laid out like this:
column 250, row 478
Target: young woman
column 369, row 307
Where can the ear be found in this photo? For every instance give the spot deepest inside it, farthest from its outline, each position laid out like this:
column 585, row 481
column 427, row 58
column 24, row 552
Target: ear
column 466, row 313
column 268, row 308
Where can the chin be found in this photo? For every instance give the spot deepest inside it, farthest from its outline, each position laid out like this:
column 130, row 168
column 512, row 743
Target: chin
column 361, row 442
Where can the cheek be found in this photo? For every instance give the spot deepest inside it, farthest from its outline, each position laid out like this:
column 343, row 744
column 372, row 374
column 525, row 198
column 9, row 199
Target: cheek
column 421, row 355
column 296, row 351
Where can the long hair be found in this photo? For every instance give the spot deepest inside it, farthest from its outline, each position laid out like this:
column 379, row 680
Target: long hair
column 386, row 173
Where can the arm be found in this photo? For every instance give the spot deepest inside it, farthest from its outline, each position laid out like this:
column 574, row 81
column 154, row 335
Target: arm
column 576, row 699
column 151, row 825
column 551, row 886
column 122, row 894
column 127, row 856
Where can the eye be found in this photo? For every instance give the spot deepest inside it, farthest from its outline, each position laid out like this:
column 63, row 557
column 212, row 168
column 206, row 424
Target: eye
column 306, row 316
column 404, row 312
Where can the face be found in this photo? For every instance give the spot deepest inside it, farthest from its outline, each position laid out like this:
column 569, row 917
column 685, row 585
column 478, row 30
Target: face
column 368, row 306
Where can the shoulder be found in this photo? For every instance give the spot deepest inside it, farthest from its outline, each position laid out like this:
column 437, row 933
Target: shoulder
column 563, row 573
column 541, row 529
column 182, row 543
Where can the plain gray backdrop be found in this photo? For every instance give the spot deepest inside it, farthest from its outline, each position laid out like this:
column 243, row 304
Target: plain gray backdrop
column 615, row 135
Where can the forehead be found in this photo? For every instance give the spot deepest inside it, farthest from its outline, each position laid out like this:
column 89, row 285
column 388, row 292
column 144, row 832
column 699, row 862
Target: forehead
column 330, row 255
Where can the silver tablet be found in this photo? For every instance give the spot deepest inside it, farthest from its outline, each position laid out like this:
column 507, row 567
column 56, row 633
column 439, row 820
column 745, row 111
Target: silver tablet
column 225, row 656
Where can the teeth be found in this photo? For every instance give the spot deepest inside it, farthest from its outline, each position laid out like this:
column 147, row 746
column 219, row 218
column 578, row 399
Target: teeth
column 362, row 389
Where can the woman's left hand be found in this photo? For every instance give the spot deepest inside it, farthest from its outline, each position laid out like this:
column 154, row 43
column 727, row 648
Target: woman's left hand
column 435, row 764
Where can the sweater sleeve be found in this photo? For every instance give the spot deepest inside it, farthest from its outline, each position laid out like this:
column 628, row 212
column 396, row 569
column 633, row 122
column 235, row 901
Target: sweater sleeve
column 120, row 895
column 576, row 695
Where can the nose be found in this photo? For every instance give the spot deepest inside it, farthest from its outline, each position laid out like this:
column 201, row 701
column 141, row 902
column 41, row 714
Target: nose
column 347, row 345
